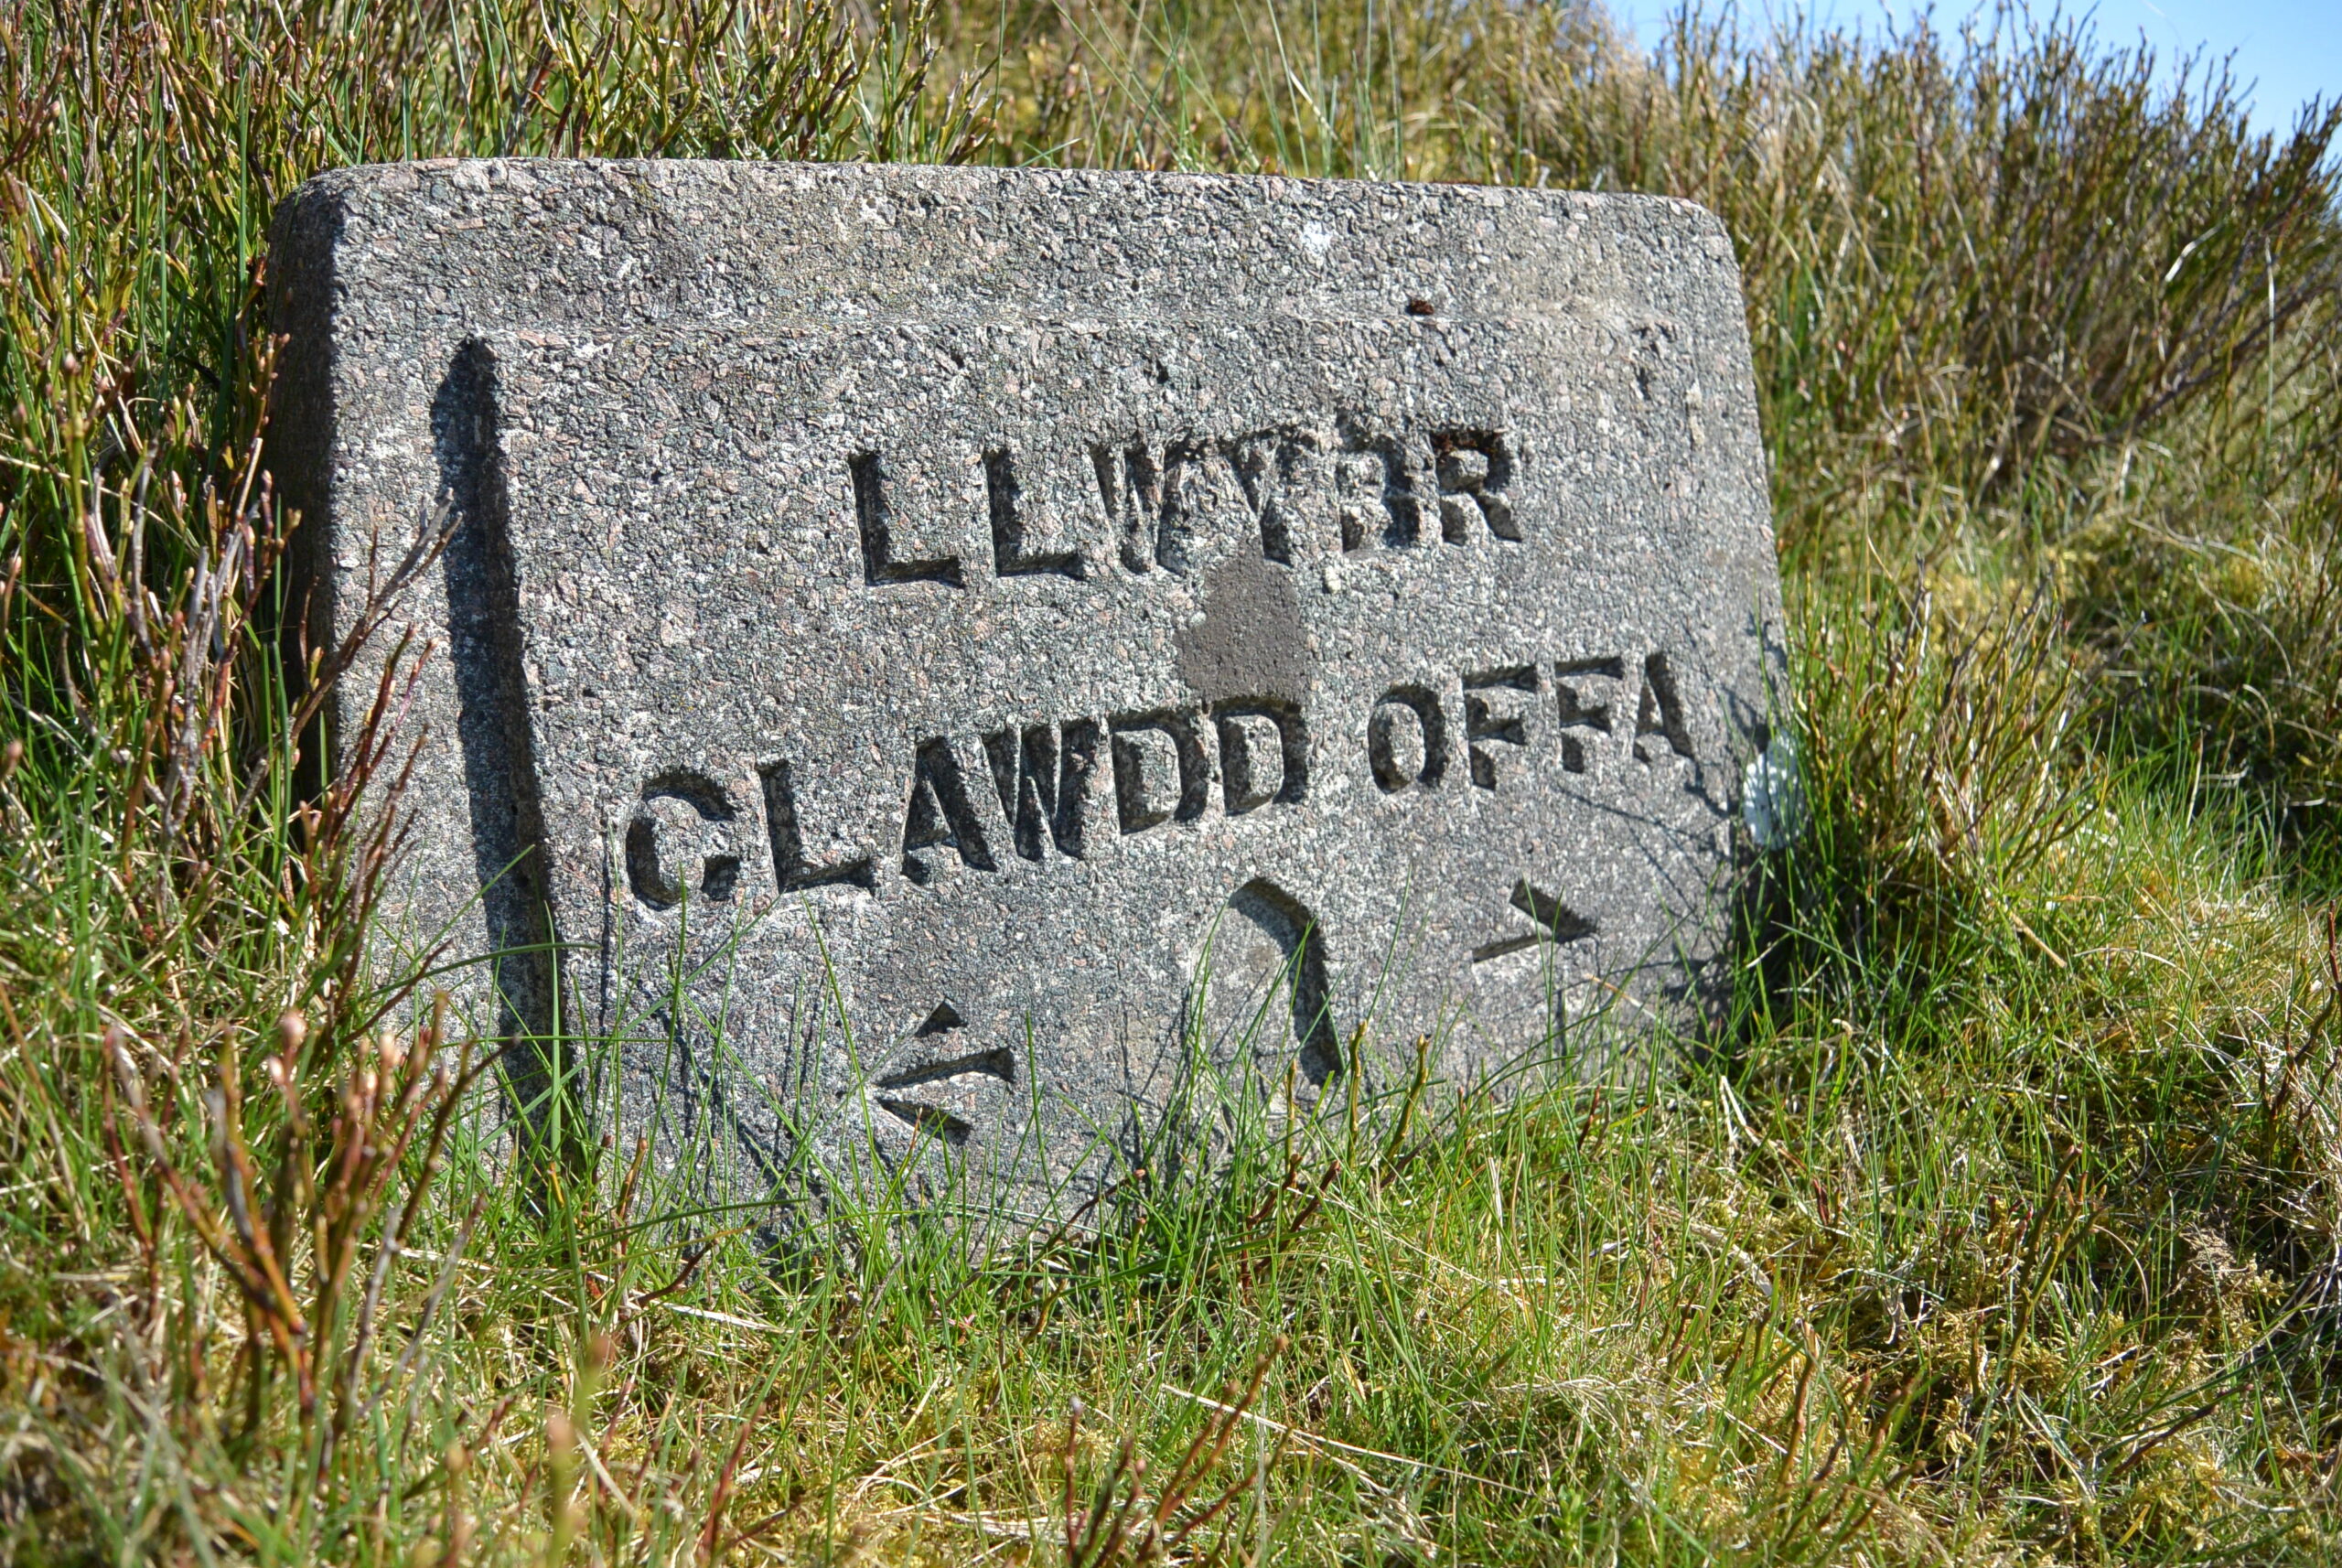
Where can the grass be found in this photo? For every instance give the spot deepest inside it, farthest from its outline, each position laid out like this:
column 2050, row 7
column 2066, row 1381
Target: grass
column 2006, row 1229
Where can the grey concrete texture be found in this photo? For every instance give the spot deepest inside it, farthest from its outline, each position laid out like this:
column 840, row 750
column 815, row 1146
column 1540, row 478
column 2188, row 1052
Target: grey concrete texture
column 955, row 659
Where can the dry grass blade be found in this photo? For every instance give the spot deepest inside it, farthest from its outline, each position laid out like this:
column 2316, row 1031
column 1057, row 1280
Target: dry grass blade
column 1111, row 1532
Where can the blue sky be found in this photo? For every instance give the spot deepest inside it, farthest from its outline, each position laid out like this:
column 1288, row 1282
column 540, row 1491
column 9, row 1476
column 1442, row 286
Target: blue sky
column 2292, row 48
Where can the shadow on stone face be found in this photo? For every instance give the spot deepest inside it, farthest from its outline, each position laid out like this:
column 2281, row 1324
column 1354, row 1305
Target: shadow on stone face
column 493, row 727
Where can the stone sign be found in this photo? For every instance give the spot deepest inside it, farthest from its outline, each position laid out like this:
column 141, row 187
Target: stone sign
column 954, row 660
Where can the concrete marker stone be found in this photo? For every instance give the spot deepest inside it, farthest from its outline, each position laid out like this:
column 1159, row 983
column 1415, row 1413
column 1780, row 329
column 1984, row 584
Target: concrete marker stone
column 952, row 658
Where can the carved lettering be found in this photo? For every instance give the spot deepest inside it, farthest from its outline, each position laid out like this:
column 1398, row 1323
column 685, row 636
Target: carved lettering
column 1475, row 484
column 941, row 815
column 1291, row 488
column 1579, row 706
column 874, row 512
column 1147, row 778
column 1131, row 487
column 1025, row 773
column 1161, row 772
column 1007, row 502
column 1049, row 778
column 1660, row 711
column 1077, row 772
column 1301, row 490
column 791, row 871
column 682, row 817
column 1406, row 739
column 1374, row 495
column 1489, row 714
column 1202, row 499
column 1263, row 754
column 1359, row 510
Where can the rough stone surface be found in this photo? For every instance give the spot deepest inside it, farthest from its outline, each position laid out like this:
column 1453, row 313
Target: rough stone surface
column 957, row 657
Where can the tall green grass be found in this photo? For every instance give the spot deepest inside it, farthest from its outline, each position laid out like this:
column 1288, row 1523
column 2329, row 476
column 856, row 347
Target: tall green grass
column 2004, row 1228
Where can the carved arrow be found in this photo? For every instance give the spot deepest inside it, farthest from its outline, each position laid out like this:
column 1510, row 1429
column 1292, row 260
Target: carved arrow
column 1557, row 923
column 946, row 1098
